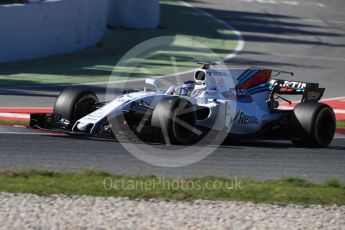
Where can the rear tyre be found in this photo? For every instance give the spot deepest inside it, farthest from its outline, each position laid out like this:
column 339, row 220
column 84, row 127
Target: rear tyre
column 75, row 102
column 176, row 118
column 312, row 125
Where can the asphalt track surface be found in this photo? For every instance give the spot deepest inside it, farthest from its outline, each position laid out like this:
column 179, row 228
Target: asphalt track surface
column 306, row 37
column 23, row 148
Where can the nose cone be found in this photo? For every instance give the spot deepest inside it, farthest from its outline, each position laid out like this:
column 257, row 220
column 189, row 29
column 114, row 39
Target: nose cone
column 82, row 126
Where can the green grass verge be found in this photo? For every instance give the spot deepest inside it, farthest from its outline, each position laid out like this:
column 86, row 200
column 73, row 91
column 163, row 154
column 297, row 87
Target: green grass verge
column 95, row 64
column 3, row 122
column 341, row 124
column 285, row 191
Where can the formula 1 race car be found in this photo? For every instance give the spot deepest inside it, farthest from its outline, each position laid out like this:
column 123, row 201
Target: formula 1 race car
column 243, row 103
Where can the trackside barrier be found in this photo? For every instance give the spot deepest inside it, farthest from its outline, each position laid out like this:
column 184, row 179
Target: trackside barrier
column 50, row 27
column 45, row 28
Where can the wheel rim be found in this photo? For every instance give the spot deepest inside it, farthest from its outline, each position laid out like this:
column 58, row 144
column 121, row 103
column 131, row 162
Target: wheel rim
column 180, row 133
column 84, row 106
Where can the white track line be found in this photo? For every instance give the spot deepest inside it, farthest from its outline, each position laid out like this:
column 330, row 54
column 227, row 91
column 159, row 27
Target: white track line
column 15, row 115
column 240, row 41
column 339, row 136
column 334, row 98
column 323, row 21
column 233, row 54
column 314, row 4
column 339, row 111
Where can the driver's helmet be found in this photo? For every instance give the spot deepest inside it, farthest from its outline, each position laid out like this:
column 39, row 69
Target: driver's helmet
column 185, row 89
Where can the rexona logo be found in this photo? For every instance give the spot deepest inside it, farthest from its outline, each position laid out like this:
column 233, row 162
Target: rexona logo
column 247, row 120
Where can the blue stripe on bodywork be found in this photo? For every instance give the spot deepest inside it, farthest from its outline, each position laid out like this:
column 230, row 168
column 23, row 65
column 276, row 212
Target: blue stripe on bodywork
column 266, row 86
column 244, row 101
column 247, row 74
column 259, row 91
column 250, row 76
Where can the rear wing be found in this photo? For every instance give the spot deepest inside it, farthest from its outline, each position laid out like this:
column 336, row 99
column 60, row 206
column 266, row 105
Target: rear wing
column 310, row 91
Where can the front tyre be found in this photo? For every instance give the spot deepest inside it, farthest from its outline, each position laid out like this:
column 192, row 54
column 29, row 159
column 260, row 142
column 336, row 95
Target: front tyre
column 75, row 102
column 176, row 118
column 312, row 124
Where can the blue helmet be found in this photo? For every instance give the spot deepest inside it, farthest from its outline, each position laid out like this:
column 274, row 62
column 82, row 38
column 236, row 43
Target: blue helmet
column 186, row 89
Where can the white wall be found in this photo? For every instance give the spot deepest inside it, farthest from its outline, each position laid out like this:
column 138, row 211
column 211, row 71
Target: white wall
column 52, row 27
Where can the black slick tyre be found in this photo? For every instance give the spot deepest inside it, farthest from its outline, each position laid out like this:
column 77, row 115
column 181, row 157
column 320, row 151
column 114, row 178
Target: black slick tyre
column 75, row 102
column 176, row 118
column 312, row 124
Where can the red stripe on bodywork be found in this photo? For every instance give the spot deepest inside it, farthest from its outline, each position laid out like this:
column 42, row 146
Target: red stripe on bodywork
column 287, row 90
column 262, row 76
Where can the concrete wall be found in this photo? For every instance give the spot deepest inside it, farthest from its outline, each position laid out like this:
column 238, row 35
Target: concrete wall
column 51, row 27
column 136, row 14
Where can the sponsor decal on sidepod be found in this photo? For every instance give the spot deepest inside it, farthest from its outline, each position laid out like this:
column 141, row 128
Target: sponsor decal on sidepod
column 247, row 120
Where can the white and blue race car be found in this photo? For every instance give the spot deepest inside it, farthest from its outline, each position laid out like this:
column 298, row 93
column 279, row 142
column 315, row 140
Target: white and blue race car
column 240, row 103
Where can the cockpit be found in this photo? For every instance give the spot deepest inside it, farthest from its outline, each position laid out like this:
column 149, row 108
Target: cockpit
column 184, row 90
